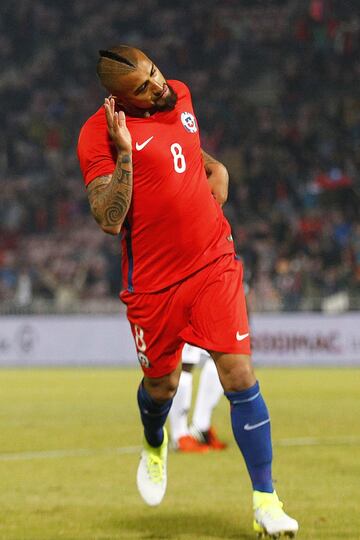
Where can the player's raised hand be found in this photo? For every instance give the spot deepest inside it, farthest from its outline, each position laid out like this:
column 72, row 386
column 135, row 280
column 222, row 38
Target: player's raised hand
column 117, row 126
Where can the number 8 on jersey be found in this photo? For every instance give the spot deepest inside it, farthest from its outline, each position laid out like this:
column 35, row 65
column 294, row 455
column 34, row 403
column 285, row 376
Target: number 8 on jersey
column 179, row 158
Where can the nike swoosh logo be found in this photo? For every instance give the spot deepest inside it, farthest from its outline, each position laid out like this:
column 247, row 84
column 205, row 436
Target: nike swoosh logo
column 240, row 337
column 142, row 145
column 249, row 427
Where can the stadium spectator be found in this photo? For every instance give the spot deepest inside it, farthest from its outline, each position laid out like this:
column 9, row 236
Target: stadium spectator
column 281, row 111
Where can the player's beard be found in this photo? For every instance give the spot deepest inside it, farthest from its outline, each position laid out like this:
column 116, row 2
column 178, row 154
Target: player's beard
column 169, row 102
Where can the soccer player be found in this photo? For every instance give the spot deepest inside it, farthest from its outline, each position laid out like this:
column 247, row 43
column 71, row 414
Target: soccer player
column 148, row 179
column 200, row 436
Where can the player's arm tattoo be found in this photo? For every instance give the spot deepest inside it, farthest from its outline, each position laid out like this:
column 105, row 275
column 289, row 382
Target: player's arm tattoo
column 110, row 195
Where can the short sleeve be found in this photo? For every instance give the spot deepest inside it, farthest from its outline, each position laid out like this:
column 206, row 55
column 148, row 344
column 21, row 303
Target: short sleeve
column 96, row 153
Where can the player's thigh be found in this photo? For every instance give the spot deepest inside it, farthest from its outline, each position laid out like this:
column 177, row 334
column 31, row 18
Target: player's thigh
column 155, row 324
column 219, row 317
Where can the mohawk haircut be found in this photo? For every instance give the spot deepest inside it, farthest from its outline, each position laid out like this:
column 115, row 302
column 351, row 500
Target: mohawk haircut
column 115, row 56
column 115, row 62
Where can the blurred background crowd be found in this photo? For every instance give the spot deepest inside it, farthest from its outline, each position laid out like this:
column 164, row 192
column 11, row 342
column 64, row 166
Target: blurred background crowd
column 275, row 86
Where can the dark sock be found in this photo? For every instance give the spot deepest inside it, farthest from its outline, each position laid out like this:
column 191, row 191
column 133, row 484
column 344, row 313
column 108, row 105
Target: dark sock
column 153, row 416
column 251, row 427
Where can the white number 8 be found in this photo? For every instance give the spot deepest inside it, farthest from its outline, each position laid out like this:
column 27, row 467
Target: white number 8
column 179, row 158
column 139, row 338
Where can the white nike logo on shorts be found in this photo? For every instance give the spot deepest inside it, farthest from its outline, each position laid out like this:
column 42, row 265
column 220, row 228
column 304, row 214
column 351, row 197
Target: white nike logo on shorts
column 142, row 145
column 249, row 427
column 240, row 337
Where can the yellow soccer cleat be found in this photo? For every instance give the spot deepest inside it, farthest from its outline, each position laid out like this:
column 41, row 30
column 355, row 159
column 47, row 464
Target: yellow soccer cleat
column 151, row 473
column 270, row 520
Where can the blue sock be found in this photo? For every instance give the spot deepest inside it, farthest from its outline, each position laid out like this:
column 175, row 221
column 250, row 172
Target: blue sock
column 251, row 427
column 153, row 416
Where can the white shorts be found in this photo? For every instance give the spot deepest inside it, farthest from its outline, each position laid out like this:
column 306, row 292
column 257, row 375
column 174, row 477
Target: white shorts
column 192, row 355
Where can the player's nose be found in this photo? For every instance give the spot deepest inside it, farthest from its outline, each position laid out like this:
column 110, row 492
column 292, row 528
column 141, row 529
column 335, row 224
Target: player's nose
column 157, row 88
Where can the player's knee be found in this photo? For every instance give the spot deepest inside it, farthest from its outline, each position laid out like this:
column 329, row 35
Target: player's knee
column 236, row 372
column 163, row 394
column 161, row 390
column 240, row 378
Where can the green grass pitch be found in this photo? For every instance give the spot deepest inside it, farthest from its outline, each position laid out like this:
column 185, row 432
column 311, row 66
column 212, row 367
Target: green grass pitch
column 69, row 451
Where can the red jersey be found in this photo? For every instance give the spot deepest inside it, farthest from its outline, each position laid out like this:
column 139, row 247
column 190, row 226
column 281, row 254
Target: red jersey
column 174, row 226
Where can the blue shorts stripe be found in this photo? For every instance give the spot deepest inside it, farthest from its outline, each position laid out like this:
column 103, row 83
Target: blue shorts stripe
column 129, row 256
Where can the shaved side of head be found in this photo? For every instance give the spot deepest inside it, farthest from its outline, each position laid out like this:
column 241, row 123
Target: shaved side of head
column 114, row 63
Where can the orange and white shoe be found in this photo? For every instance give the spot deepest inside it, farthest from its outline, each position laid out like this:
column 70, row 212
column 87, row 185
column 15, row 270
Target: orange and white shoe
column 213, row 440
column 209, row 437
column 188, row 443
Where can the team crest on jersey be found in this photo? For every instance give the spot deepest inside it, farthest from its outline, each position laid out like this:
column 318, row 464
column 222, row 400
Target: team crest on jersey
column 189, row 122
column 143, row 360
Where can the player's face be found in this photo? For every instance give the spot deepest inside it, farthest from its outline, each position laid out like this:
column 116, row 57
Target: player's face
column 146, row 88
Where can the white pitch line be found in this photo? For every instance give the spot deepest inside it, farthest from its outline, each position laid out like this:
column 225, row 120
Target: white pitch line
column 50, row 454
column 122, row 450
column 347, row 440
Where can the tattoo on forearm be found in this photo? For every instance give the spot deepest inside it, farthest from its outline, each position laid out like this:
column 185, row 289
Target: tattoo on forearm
column 110, row 196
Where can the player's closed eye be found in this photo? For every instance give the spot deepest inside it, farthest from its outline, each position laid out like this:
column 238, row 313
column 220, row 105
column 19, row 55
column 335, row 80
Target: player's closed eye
column 141, row 89
column 145, row 85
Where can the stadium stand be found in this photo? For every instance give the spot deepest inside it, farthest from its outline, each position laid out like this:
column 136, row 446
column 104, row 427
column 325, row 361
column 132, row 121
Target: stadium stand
column 276, row 90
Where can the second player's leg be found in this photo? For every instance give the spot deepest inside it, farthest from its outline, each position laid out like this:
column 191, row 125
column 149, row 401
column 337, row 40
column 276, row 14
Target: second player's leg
column 178, row 416
column 182, row 438
column 208, row 396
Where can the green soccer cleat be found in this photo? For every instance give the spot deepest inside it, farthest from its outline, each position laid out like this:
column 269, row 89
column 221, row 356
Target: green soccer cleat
column 151, row 474
column 270, row 521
